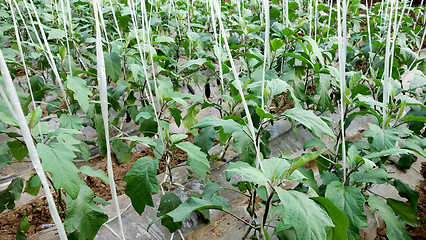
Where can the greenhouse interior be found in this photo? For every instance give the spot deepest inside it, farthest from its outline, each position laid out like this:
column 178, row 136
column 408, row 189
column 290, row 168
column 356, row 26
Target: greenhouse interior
column 231, row 119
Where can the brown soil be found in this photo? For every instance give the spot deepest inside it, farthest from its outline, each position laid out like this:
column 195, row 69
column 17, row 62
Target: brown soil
column 38, row 211
column 282, row 103
column 419, row 233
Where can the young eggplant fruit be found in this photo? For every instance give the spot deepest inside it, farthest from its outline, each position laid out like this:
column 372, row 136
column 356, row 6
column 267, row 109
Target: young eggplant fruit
column 190, row 89
column 207, row 90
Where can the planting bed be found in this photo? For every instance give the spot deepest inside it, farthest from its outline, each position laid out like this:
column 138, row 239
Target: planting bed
column 185, row 119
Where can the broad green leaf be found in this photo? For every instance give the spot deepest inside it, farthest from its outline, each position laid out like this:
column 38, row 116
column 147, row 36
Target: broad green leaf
column 194, row 204
column 175, row 138
column 205, row 140
column 58, row 160
column 11, row 194
column 404, row 211
column 197, row 159
column 5, row 156
column 276, row 86
column 377, row 175
column 313, row 142
column 100, row 130
column 18, row 149
column 92, row 173
column 406, row 192
column 145, row 140
column 315, row 49
column 229, row 126
column 189, row 120
column 32, row 186
column 81, row 91
column 339, row 218
column 141, row 182
column 34, row 117
column 388, row 152
column 262, row 114
column 200, row 61
column 56, row 34
column 112, row 65
column 246, row 171
column 307, row 157
column 382, row 139
column 5, row 115
column 307, row 218
column 275, row 169
column 121, row 150
column 169, row 202
column 310, row 120
column 210, row 189
column 395, row 227
column 83, row 214
column 71, row 122
column 351, row 202
column 323, row 89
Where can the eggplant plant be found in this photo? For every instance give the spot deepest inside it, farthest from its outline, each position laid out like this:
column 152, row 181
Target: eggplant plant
column 317, row 64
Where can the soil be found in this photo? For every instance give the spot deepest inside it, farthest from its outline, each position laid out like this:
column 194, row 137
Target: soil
column 38, row 210
column 281, row 103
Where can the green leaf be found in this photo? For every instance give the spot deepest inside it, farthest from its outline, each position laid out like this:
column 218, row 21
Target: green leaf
column 18, row 149
column 307, row 218
column 196, row 158
column 339, row 218
column 189, row 120
column 102, row 201
column 175, row 138
column 193, row 204
column 307, row 157
column 377, row 175
column 315, row 49
column 5, row 115
column 100, row 130
column 32, row 186
column 210, row 190
column 310, row 120
column 200, row 61
column 276, row 86
column 323, row 89
column 112, row 65
column 406, row 192
column 71, row 122
column 313, row 142
column 275, row 169
column 404, row 211
column 83, row 214
column 24, row 225
column 58, row 160
column 92, row 173
column 246, row 171
column 11, row 194
column 382, row 139
column 145, row 140
column 205, row 140
column 5, row 156
column 395, row 228
column 388, row 152
column 351, row 201
column 81, row 91
column 169, row 202
column 141, row 182
column 229, row 126
column 262, row 114
column 121, row 150
column 56, row 34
